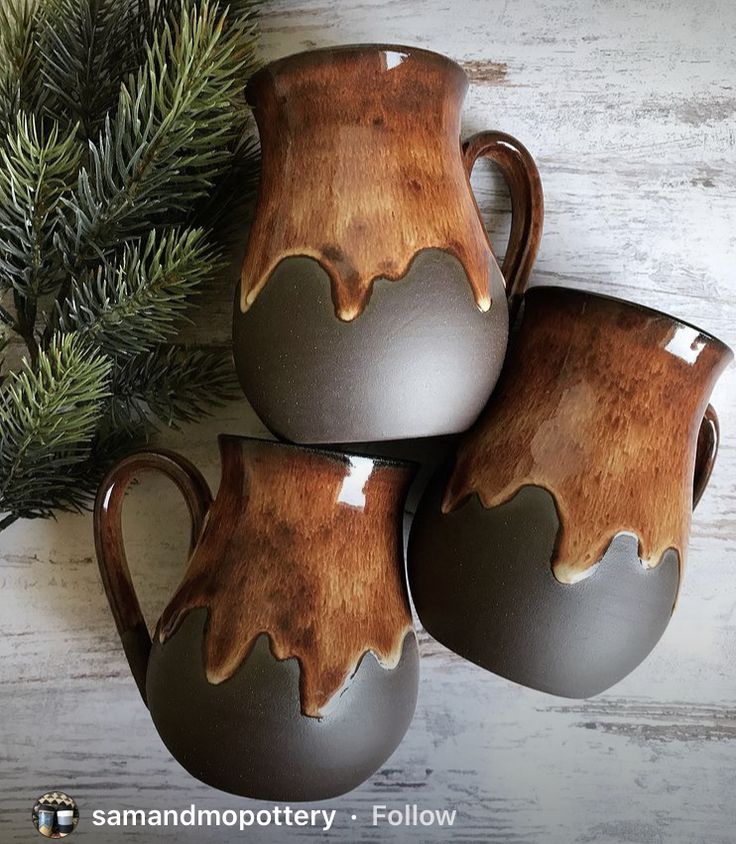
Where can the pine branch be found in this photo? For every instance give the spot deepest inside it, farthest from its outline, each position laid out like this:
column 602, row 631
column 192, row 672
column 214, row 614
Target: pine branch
column 241, row 13
column 92, row 46
column 36, row 167
column 130, row 306
column 34, row 171
column 173, row 384
column 48, row 418
column 169, row 139
column 105, row 230
column 227, row 209
column 21, row 24
column 226, row 206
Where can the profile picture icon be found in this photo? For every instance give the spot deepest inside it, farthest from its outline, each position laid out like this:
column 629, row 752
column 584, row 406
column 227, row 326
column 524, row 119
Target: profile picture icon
column 55, row 815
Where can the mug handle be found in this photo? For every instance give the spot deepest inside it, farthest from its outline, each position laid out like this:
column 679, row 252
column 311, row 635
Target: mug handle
column 709, row 437
column 111, row 558
column 527, row 205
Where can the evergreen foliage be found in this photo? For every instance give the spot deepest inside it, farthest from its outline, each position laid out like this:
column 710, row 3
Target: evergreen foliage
column 49, row 418
column 120, row 121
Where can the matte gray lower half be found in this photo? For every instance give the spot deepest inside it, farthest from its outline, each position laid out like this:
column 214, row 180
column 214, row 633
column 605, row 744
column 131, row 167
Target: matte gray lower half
column 421, row 360
column 248, row 735
column 482, row 584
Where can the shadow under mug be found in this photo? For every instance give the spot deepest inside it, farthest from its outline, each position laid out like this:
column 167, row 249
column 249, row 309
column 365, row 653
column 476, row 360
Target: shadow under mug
column 550, row 549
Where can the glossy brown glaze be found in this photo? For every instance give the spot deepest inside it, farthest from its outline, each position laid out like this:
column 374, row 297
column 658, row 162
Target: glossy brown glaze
column 527, row 205
column 303, row 546
column 709, row 438
column 108, row 528
column 362, row 169
column 600, row 404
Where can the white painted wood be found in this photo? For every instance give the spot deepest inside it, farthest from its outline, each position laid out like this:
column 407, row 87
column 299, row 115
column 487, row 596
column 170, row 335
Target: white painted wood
column 629, row 109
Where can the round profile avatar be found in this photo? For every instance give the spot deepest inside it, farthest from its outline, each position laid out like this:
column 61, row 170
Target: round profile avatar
column 55, row 815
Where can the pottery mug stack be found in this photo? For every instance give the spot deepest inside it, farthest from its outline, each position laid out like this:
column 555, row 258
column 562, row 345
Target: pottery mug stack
column 550, row 547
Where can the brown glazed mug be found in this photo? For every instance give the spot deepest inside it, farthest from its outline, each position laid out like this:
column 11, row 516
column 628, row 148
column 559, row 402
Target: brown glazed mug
column 371, row 306
column 551, row 549
column 285, row 667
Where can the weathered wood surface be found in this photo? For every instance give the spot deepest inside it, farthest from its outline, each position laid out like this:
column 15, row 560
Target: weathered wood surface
column 629, row 108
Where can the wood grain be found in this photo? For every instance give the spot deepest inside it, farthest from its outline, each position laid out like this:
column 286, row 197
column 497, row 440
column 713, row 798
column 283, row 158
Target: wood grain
column 628, row 109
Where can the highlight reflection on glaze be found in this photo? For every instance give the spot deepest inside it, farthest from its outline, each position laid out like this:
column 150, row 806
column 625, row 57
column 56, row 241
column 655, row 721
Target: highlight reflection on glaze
column 304, row 546
column 600, row 403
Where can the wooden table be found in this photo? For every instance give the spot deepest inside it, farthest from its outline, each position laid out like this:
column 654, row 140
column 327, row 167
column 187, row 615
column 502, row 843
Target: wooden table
column 629, row 108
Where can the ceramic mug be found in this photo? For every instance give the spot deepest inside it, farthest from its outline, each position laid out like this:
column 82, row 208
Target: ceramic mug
column 551, row 549
column 285, row 667
column 65, row 820
column 46, row 815
column 371, row 306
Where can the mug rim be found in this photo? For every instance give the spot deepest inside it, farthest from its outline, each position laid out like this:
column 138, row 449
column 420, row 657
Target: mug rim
column 364, row 47
column 591, row 294
column 336, row 453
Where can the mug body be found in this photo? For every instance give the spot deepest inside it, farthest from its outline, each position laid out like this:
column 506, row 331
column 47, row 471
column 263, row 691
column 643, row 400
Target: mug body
column 371, row 306
column 420, row 361
column 250, row 736
column 286, row 665
column 550, row 549
column 46, row 821
column 65, row 820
